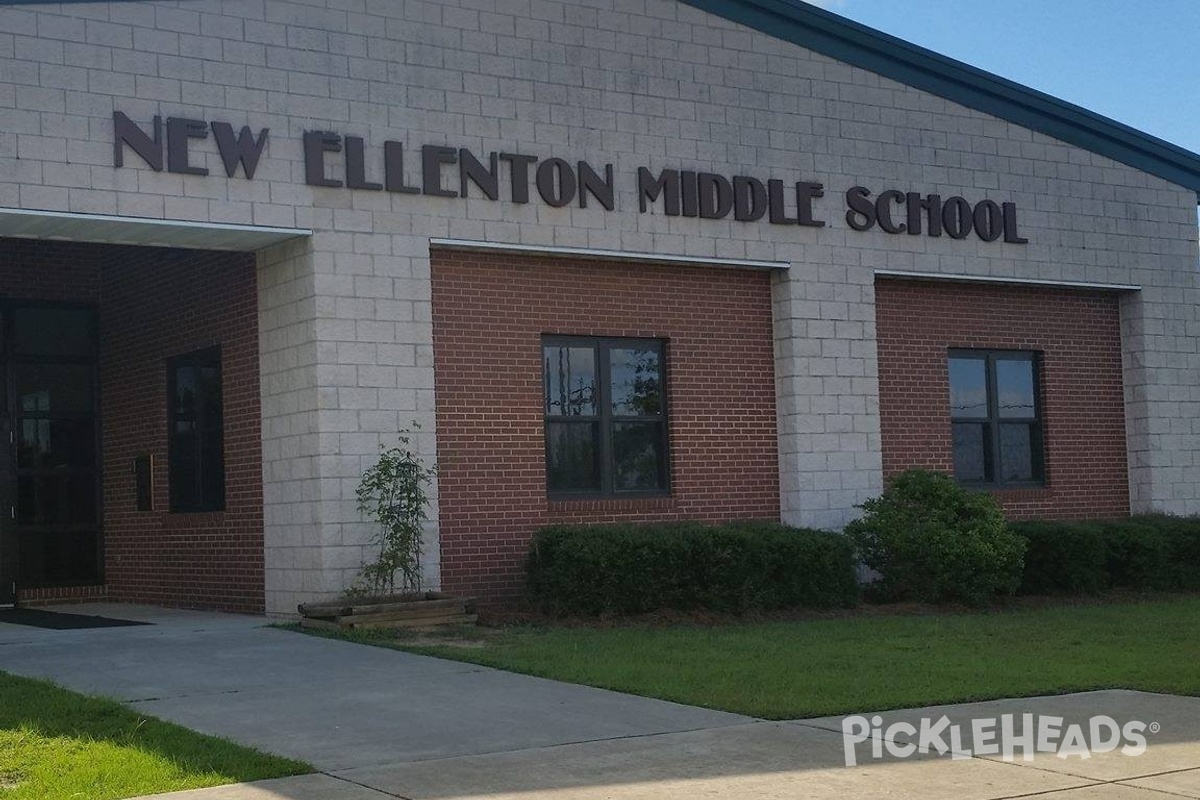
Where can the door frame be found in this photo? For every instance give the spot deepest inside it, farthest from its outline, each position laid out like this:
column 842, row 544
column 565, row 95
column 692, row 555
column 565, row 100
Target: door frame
column 11, row 530
column 10, row 554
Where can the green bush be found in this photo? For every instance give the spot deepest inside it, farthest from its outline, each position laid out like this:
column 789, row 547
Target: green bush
column 1145, row 553
column 635, row 568
column 1138, row 555
column 933, row 541
column 1182, row 536
column 1064, row 558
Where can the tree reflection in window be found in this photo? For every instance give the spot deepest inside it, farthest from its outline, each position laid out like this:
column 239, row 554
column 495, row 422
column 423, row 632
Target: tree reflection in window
column 605, row 415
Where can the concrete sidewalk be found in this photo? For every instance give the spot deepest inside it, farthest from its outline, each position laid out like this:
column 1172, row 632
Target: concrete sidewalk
column 383, row 724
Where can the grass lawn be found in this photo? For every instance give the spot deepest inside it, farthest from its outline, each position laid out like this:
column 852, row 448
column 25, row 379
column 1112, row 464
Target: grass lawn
column 56, row 744
column 784, row 670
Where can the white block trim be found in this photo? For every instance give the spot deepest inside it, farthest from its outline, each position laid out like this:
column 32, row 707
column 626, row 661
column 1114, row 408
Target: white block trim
column 942, row 276
column 113, row 229
column 609, row 255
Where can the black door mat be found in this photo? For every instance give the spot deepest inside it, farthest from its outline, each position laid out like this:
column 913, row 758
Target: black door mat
column 55, row 620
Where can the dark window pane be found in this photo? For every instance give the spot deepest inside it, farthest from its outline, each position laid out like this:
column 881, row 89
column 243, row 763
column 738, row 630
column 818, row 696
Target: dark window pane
column 968, row 387
column 971, row 452
column 54, row 331
column 195, row 465
column 1014, row 388
column 636, row 377
column 26, row 499
column 197, row 391
column 186, row 393
column 1016, row 452
column 54, row 443
column 570, row 374
column 197, row 398
column 637, row 456
column 81, row 497
column 573, row 456
column 59, row 557
column 184, row 470
column 212, row 470
column 209, row 383
column 54, row 389
column 48, row 498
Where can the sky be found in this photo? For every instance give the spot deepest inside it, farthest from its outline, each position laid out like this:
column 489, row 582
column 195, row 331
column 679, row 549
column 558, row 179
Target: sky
column 1136, row 61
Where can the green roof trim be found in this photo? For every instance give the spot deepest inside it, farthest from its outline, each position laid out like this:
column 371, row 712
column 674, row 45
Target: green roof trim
column 847, row 41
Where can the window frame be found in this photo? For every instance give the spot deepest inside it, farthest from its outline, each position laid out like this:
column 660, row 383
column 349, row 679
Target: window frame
column 203, row 357
column 602, row 346
column 993, row 421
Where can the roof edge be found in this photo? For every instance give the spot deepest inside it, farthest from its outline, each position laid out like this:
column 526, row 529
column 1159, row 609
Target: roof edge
column 861, row 46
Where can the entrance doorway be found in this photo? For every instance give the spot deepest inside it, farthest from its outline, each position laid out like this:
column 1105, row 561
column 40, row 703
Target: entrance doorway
column 50, row 532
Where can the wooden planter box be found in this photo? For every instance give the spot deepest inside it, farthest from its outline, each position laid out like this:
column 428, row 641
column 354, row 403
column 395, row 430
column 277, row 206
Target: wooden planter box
column 425, row 610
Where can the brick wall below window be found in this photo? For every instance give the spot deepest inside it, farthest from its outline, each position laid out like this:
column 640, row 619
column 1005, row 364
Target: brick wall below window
column 1079, row 336
column 489, row 314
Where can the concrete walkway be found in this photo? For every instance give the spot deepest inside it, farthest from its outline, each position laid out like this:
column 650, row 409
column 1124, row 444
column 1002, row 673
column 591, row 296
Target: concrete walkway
column 383, row 724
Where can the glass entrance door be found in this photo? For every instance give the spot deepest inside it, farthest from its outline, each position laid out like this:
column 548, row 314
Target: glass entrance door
column 51, row 483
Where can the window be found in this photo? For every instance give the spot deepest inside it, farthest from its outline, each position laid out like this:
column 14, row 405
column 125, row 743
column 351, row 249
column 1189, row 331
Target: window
column 606, row 420
column 996, row 421
column 195, row 440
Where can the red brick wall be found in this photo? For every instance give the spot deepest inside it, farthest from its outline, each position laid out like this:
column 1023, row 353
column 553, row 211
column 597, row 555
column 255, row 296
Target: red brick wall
column 489, row 314
column 60, row 271
column 1078, row 334
column 156, row 303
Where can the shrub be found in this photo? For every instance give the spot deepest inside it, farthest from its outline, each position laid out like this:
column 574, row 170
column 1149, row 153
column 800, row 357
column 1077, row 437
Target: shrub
column 393, row 492
column 1182, row 537
column 1063, row 557
column 634, row 568
column 1153, row 552
column 1138, row 555
column 933, row 541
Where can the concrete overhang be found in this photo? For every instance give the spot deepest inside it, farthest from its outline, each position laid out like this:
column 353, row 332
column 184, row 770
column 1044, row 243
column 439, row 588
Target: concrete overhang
column 105, row 229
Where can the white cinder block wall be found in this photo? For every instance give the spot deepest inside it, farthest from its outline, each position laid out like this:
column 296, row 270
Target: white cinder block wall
column 345, row 316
